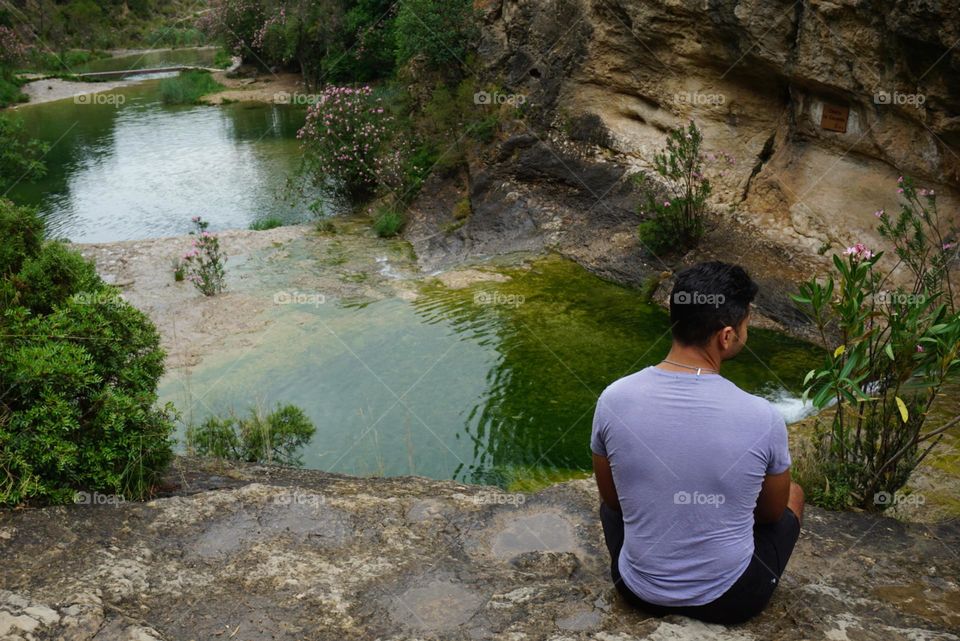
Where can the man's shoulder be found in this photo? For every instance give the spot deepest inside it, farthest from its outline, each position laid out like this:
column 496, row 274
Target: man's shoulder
column 629, row 387
column 751, row 402
column 626, row 386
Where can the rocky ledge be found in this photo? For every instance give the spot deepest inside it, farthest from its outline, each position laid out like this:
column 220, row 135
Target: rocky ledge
column 255, row 553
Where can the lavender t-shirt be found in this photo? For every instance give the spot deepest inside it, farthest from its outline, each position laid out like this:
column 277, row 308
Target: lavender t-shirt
column 688, row 455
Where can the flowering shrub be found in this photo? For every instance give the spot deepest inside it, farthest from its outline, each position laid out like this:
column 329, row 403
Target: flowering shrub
column 344, row 142
column 895, row 348
column 204, row 262
column 12, row 49
column 678, row 222
column 237, row 23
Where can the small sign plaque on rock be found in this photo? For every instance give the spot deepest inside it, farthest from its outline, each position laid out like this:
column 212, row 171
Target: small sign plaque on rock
column 834, row 118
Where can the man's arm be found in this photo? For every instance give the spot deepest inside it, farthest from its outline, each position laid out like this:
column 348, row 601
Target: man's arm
column 773, row 497
column 608, row 491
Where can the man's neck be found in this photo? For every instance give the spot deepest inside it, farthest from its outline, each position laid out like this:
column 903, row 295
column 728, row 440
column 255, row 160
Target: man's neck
column 684, row 359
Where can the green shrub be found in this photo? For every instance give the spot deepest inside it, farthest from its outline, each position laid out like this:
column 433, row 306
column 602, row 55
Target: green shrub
column 21, row 158
column 264, row 224
column 388, row 222
column 326, row 226
column 79, row 368
column 895, row 348
column 188, row 87
column 275, row 437
column 10, row 93
column 677, row 222
column 441, row 32
column 222, row 59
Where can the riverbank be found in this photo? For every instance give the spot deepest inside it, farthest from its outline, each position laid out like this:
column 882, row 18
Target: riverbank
column 257, row 553
column 53, row 89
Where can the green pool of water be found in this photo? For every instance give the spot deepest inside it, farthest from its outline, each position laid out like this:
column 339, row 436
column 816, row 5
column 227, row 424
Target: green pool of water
column 495, row 383
column 143, row 169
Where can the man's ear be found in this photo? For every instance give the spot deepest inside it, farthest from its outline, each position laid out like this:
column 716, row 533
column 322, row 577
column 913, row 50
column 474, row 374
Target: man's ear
column 728, row 336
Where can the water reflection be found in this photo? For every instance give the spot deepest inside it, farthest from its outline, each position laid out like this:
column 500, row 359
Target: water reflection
column 560, row 337
column 143, row 169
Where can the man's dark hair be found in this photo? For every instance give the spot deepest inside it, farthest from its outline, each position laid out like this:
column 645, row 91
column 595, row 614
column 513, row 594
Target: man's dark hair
column 708, row 297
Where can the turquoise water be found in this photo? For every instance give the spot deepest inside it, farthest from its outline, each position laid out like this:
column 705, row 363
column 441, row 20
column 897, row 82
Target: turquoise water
column 142, row 169
column 495, row 383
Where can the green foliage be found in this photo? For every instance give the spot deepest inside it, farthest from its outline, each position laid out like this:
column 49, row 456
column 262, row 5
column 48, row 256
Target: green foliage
column 21, row 158
column 169, row 36
column 179, row 270
column 187, row 87
column 441, row 32
column 894, row 350
column 462, row 210
column 222, row 59
column 10, row 90
column 271, row 222
column 448, row 109
column 275, row 437
column 49, row 278
column 79, row 368
column 326, row 226
column 677, row 222
column 388, row 222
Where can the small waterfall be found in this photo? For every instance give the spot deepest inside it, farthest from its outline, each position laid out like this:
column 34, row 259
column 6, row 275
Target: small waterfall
column 792, row 407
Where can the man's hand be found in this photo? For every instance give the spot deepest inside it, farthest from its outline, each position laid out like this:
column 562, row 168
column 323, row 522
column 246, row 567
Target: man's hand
column 608, row 491
column 774, row 494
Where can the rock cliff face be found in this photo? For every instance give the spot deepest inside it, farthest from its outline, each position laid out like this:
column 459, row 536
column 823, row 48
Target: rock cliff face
column 822, row 103
column 257, row 554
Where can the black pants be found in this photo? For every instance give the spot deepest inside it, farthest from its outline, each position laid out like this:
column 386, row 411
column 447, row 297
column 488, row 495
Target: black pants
column 750, row 593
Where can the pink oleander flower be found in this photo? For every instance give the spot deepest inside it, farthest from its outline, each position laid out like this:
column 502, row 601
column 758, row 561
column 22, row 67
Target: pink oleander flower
column 878, row 213
column 920, row 349
column 949, row 246
column 859, row 251
column 666, row 203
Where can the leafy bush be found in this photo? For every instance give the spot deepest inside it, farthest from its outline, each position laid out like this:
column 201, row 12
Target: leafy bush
column 271, row 222
column 222, row 59
column 21, row 158
column 274, row 437
column 10, row 90
column 187, row 87
column 79, row 368
column 204, row 263
column 895, row 349
column 344, row 143
column 441, row 32
column 388, row 222
column 677, row 222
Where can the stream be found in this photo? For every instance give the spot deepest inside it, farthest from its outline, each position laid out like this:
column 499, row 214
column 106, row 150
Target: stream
column 492, row 383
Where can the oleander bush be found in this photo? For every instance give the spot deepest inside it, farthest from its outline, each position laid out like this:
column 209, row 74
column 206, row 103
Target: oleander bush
column 79, row 368
column 894, row 332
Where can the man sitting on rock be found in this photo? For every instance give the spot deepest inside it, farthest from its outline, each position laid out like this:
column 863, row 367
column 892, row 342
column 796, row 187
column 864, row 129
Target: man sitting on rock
column 698, row 512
